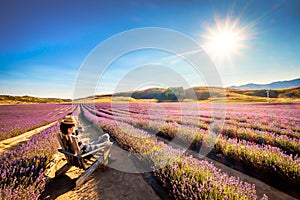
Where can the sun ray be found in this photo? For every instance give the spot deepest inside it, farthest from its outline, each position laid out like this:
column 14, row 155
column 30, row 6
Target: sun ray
column 226, row 38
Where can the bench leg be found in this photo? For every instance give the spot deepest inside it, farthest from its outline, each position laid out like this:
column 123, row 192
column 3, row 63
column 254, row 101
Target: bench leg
column 83, row 177
column 62, row 170
column 106, row 155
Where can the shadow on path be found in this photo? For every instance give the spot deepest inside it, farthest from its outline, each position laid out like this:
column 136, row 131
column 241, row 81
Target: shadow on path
column 57, row 187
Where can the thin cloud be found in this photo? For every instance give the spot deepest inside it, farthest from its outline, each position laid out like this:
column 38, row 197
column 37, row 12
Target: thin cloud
column 179, row 57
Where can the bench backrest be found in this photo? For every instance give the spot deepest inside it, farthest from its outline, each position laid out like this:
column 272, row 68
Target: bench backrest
column 70, row 144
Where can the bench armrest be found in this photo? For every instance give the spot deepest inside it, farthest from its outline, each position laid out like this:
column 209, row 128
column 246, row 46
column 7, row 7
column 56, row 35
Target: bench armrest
column 82, row 155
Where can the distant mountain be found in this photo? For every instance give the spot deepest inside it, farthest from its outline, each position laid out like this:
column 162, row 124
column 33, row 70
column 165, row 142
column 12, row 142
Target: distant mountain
column 293, row 92
column 273, row 85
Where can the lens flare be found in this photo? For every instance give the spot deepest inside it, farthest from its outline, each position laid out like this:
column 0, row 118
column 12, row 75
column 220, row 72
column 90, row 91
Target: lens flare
column 226, row 38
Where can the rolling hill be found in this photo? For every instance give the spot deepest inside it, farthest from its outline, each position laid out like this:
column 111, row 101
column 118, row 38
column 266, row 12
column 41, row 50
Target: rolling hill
column 200, row 93
column 179, row 94
column 8, row 99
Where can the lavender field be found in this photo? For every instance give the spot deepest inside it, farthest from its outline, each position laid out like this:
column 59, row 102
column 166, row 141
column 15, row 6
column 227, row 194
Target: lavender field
column 17, row 119
column 262, row 138
column 259, row 137
column 23, row 166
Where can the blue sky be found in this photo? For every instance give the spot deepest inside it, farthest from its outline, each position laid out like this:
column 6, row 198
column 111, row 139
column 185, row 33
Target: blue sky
column 44, row 44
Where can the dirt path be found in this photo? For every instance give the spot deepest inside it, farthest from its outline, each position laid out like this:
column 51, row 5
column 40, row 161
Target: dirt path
column 103, row 184
column 5, row 144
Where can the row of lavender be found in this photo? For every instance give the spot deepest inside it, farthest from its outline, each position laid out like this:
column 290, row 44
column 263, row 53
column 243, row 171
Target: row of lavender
column 22, row 168
column 184, row 176
column 266, row 158
column 286, row 139
column 282, row 120
column 236, row 126
column 288, row 144
column 17, row 119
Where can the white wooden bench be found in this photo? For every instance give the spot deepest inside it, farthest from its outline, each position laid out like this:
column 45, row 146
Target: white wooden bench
column 88, row 161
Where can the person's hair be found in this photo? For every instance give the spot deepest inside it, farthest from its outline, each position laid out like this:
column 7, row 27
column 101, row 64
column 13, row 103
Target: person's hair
column 64, row 128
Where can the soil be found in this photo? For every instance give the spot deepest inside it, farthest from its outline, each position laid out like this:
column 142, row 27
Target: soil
column 103, row 184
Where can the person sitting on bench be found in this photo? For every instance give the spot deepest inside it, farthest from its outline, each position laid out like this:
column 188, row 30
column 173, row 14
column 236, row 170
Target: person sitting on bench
column 67, row 127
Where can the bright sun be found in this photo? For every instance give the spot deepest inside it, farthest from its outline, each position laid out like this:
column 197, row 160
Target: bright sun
column 225, row 39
